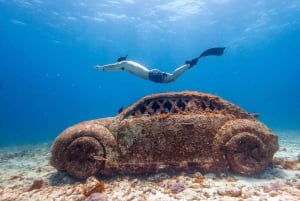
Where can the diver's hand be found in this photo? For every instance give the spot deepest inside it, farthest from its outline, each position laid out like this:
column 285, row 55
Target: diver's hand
column 99, row 67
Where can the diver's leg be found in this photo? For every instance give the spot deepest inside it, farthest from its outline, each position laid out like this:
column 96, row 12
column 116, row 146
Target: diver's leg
column 176, row 73
column 192, row 62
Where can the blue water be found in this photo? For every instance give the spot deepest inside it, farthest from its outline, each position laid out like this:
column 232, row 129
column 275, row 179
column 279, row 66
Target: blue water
column 48, row 49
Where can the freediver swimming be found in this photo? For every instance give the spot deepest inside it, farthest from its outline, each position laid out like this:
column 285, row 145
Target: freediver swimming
column 156, row 75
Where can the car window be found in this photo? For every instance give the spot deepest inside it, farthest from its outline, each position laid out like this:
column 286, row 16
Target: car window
column 174, row 105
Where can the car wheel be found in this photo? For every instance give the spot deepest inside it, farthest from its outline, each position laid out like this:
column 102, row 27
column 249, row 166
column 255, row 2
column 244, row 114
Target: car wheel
column 85, row 156
column 83, row 149
column 244, row 146
column 246, row 154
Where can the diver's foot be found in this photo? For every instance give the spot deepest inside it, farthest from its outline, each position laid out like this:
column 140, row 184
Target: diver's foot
column 192, row 62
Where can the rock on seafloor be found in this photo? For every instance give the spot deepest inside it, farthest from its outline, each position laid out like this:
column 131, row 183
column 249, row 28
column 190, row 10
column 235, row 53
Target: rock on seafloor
column 97, row 197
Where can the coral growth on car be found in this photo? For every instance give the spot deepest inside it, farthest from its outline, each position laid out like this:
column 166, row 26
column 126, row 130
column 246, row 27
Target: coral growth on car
column 167, row 131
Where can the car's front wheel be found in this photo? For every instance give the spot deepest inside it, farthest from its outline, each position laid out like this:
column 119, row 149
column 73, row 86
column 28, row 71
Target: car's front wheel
column 83, row 149
column 85, row 156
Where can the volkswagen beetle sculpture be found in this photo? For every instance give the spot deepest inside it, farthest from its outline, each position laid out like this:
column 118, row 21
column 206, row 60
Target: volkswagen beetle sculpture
column 167, row 131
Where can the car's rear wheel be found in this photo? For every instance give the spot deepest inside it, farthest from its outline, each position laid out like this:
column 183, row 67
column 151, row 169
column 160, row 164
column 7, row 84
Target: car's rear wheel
column 246, row 154
column 245, row 146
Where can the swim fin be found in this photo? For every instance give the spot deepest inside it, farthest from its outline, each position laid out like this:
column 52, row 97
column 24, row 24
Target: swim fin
column 192, row 62
column 216, row 51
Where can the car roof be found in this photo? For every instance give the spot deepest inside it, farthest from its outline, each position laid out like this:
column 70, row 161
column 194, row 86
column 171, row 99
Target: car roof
column 187, row 102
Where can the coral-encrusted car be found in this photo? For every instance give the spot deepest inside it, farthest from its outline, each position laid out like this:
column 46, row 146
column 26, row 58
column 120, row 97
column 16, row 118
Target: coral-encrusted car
column 167, row 131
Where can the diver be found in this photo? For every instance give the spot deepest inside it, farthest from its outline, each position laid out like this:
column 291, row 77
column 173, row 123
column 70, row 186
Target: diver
column 155, row 75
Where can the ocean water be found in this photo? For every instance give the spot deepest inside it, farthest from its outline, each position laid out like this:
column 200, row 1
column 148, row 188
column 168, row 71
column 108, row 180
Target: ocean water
column 48, row 49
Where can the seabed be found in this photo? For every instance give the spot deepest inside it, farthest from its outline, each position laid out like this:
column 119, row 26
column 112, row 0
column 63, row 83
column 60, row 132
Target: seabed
column 27, row 175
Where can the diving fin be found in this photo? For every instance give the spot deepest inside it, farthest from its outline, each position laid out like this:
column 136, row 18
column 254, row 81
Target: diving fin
column 216, row 51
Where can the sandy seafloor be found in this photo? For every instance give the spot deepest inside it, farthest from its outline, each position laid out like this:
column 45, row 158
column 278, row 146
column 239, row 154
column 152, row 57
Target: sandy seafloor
column 23, row 166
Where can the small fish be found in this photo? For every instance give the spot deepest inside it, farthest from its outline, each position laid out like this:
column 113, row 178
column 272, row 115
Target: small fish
column 100, row 158
column 255, row 115
column 120, row 110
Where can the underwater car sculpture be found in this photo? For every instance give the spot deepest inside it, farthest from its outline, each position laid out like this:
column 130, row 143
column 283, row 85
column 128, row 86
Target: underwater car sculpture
column 167, row 131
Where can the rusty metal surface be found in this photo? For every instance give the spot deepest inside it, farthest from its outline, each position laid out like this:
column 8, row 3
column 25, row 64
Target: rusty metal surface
column 168, row 131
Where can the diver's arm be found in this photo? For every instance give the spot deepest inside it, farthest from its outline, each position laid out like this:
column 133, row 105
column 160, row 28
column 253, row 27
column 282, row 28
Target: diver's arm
column 130, row 66
column 110, row 67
